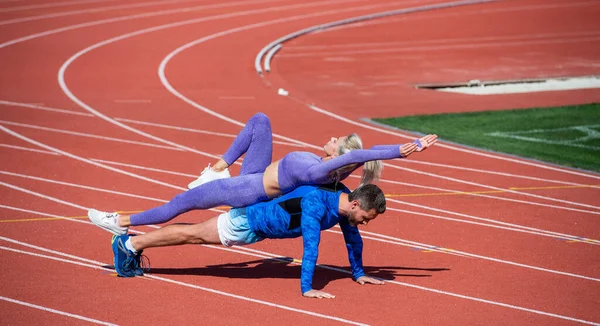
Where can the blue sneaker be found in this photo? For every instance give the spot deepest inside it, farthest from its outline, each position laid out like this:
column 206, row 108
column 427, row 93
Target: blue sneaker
column 127, row 264
column 142, row 262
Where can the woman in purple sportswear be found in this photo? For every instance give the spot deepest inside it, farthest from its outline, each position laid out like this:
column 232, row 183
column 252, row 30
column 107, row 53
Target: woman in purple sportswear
column 261, row 179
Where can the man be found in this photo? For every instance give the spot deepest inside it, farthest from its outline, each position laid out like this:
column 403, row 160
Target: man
column 303, row 212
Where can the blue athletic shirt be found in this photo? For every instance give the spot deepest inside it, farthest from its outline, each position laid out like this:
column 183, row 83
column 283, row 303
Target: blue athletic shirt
column 319, row 211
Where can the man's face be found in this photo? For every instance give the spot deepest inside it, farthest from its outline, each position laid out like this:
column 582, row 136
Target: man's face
column 359, row 216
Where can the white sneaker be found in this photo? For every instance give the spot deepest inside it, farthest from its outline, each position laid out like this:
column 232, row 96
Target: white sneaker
column 107, row 221
column 208, row 175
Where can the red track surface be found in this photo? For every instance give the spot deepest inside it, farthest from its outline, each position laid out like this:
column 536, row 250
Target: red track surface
column 498, row 262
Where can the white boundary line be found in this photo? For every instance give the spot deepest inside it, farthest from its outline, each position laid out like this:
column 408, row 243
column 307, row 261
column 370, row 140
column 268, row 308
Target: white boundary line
column 81, row 134
column 438, row 47
column 263, row 254
column 166, row 83
column 125, row 18
column 46, row 309
column 496, row 223
column 227, row 294
column 92, row 10
column 434, row 41
column 180, row 188
column 290, row 144
column 382, row 238
column 52, row 4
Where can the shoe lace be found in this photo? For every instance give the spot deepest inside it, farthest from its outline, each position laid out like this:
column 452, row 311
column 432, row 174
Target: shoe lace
column 206, row 169
column 143, row 263
column 128, row 265
column 112, row 215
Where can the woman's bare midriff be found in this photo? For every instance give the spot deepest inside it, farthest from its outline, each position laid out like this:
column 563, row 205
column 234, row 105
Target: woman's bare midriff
column 271, row 180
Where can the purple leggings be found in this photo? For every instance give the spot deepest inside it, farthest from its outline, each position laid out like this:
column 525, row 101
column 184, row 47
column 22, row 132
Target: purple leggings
column 256, row 141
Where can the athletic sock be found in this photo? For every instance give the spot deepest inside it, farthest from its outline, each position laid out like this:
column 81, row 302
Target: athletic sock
column 130, row 247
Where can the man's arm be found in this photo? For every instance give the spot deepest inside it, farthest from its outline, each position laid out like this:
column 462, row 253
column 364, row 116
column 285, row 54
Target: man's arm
column 354, row 244
column 313, row 210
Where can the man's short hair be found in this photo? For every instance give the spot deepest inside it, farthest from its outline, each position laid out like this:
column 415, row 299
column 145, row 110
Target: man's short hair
column 369, row 197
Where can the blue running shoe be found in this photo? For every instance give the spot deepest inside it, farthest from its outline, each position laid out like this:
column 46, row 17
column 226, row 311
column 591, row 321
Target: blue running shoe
column 126, row 262
column 142, row 262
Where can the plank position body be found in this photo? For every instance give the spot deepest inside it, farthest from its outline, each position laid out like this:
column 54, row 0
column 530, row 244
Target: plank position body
column 304, row 212
column 260, row 179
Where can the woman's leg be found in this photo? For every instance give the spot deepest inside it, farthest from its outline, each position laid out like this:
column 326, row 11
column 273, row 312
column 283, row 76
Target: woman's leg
column 256, row 141
column 239, row 191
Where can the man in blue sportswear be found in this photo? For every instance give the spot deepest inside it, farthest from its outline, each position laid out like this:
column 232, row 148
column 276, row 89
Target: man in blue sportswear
column 303, row 212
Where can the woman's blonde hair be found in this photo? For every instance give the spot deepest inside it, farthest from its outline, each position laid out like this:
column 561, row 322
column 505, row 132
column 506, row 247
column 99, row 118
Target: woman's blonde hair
column 371, row 169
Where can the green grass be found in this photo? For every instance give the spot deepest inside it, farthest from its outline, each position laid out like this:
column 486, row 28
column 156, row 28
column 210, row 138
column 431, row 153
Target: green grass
column 568, row 136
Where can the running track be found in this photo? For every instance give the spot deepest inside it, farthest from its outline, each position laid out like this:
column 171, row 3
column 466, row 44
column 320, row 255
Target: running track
column 118, row 104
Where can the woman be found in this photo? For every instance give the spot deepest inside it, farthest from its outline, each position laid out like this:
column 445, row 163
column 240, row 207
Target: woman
column 260, row 179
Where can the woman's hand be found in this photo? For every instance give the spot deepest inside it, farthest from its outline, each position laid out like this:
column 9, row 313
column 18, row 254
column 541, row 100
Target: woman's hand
column 427, row 141
column 407, row 149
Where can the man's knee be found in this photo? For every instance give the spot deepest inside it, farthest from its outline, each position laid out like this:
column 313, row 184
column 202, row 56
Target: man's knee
column 203, row 233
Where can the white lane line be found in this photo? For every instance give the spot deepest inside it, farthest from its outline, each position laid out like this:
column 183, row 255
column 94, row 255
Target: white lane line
column 166, row 83
column 405, row 243
column 475, row 46
column 145, row 168
column 52, row 4
column 382, row 238
column 81, row 134
column 509, row 226
column 444, row 40
column 28, row 149
column 88, row 11
column 506, row 191
column 133, row 101
column 89, row 261
column 463, row 14
column 15, row 134
column 34, row 193
column 459, row 180
column 515, row 228
column 206, row 289
column 237, row 98
column 200, row 131
column 54, row 311
column 466, row 254
column 459, row 295
column 12, row 208
column 314, row 29
column 300, row 145
column 556, row 234
column 464, row 215
column 484, row 196
column 124, row 18
column 236, row 122
column 66, row 64
column 114, row 192
column 548, row 233
column 511, row 175
column 439, row 144
column 45, row 108
column 165, row 61
column 262, row 254
column 296, row 145
column 480, row 300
